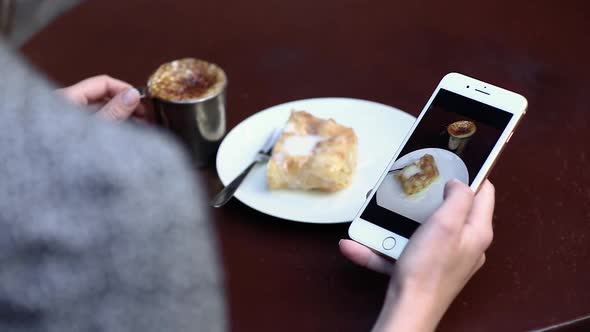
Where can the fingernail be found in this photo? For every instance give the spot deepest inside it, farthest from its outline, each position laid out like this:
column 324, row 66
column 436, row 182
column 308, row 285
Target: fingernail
column 455, row 181
column 339, row 241
column 130, row 97
column 448, row 185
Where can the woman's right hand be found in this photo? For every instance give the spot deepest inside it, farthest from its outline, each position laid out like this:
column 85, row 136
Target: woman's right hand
column 442, row 255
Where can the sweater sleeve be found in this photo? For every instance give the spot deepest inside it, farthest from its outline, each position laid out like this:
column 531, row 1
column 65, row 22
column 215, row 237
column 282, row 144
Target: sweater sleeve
column 102, row 227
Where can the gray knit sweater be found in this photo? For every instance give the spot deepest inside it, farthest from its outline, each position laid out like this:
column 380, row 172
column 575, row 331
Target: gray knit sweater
column 99, row 222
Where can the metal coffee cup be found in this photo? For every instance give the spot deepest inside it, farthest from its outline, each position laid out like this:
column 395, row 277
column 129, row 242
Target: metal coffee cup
column 197, row 118
column 460, row 133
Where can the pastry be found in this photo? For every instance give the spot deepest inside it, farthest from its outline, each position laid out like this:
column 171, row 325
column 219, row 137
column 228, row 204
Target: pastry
column 313, row 154
column 417, row 176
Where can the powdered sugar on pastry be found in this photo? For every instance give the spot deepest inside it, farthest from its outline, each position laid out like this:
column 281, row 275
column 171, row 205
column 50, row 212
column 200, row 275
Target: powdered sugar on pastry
column 301, row 145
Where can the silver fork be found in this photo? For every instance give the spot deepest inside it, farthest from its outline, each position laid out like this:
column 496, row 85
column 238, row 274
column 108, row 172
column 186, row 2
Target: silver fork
column 263, row 155
column 398, row 169
column 394, row 170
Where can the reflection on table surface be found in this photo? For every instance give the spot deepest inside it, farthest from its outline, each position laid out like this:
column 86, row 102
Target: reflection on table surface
column 291, row 274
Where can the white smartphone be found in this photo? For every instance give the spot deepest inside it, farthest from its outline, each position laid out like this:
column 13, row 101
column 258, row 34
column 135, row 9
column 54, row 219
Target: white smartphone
column 459, row 134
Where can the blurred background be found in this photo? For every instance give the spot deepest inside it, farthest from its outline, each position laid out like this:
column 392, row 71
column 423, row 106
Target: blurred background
column 392, row 52
column 20, row 19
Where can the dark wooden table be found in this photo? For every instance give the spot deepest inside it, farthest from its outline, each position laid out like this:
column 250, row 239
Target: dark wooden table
column 285, row 276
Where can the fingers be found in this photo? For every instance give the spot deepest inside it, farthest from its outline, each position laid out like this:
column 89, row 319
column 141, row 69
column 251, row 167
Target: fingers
column 121, row 106
column 94, row 89
column 480, row 262
column 365, row 257
column 479, row 224
column 452, row 214
column 141, row 112
column 483, row 204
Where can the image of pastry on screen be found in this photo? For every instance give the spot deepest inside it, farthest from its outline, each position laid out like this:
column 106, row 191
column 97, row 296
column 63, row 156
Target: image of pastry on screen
column 452, row 141
column 415, row 184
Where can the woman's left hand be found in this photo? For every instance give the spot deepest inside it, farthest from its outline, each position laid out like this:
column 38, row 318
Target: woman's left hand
column 112, row 98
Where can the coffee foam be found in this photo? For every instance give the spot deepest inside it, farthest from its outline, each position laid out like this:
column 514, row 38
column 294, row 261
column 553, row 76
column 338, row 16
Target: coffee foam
column 186, row 79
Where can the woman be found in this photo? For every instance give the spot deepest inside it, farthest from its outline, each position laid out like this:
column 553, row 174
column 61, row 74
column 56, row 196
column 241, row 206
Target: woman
column 93, row 239
column 443, row 254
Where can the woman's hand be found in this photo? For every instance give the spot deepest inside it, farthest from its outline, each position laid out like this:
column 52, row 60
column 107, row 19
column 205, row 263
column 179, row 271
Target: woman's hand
column 113, row 99
column 442, row 255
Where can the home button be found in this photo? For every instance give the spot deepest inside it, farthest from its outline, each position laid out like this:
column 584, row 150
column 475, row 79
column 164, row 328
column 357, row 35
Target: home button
column 388, row 243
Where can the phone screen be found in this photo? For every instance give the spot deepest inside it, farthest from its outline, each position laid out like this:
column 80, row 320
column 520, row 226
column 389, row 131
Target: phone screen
column 453, row 140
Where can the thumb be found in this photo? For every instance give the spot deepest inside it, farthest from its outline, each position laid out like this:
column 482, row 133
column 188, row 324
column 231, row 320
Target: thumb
column 121, row 106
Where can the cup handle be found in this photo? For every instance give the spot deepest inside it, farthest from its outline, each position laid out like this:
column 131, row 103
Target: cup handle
column 144, row 94
column 143, row 91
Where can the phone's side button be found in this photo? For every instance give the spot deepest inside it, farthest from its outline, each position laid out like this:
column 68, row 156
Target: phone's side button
column 509, row 137
column 388, row 243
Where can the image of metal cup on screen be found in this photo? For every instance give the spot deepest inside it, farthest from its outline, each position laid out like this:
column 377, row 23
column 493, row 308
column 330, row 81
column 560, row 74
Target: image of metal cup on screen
column 415, row 184
column 460, row 133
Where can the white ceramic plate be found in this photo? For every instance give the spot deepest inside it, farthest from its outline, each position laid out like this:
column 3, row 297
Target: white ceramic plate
column 380, row 130
column 421, row 206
